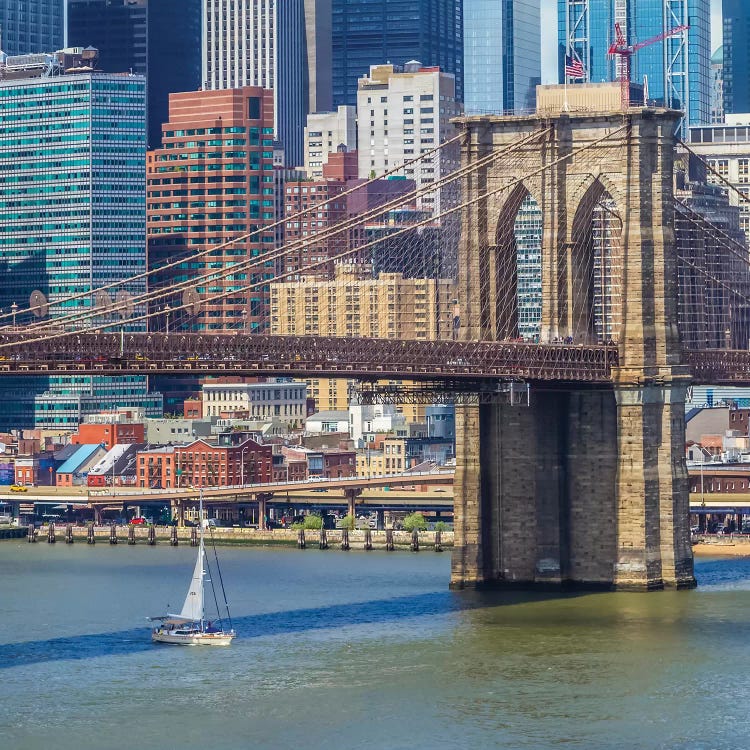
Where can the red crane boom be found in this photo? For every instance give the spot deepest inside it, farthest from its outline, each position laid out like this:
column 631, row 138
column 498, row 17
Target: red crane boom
column 625, row 51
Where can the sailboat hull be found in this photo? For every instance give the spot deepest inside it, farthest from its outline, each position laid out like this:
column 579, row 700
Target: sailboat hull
column 188, row 627
column 192, row 639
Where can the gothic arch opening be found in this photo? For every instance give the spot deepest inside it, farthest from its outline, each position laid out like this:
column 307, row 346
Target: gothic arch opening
column 592, row 287
column 517, row 267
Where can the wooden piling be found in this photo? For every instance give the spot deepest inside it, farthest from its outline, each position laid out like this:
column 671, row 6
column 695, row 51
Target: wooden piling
column 69, row 534
column 173, row 538
column 323, row 540
column 345, row 539
column 415, row 541
column 51, row 534
column 301, row 543
column 113, row 534
column 31, row 534
column 438, row 541
column 152, row 535
column 194, row 536
column 389, row 540
column 91, row 539
column 368, row 539
column 131, row 534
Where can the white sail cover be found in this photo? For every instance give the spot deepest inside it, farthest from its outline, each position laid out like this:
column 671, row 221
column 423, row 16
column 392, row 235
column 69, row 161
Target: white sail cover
column 192, row 609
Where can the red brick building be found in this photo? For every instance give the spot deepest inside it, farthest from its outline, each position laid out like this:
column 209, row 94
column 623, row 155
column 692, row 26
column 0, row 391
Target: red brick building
column 725, row 479
column 205, row 464
column 109, row 435
column 192, row 408
column 213, row 179
column 309, row 196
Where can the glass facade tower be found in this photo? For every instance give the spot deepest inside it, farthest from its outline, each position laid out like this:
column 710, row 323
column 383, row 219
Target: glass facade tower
column 736, row 67
column 502, row 55
column 528, row 233
column 281, row 45
column 678, row 70
column 73, row 218
column 376, row 32
column 157, row 38
column 31, row 25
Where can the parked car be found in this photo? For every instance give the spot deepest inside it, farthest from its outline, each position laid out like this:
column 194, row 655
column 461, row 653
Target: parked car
column 138, row 521
column 18, row 488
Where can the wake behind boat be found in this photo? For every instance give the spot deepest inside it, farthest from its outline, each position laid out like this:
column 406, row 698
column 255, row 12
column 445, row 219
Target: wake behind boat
column 190, row 627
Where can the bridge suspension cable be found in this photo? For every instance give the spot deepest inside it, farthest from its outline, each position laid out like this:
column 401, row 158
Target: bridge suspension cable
column 88, row 314
column 505, row 186
column 240, row 238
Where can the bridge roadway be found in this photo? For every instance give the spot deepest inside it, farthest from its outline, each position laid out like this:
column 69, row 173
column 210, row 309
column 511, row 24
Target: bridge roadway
column 458, row 364
column 301, row 494
column 232, row 494
column 300, row 356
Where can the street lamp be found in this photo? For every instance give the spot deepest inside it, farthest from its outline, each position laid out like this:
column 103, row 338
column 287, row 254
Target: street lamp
column 14, row 310
column 167, row 310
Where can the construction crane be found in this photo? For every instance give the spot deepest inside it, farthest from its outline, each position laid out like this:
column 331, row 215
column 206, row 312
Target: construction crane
column 625, row 51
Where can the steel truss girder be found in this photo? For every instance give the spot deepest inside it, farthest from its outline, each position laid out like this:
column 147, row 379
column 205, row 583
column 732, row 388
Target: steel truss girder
column 463, row 393
column 302, row 356
column 719, row 366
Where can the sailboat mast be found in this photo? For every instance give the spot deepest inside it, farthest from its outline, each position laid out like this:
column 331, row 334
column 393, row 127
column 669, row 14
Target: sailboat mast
column 201, row 552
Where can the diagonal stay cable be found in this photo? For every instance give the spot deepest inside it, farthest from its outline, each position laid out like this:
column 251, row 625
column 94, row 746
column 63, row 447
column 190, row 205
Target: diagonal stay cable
column 243, row 237
column 511, row 184
column 261, row 261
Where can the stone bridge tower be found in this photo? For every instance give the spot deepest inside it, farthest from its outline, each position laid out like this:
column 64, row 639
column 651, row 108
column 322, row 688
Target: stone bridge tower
column 587, row 486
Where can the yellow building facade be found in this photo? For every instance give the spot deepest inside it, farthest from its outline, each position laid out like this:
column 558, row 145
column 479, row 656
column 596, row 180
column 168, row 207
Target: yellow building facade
column 355, row 304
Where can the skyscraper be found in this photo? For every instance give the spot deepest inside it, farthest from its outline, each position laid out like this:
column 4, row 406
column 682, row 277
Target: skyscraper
column 404, row 112
column 678, row 70
column 717, row 86
column 376, row 32
column 502, row 55
column 28, row 26
column 72, row 213
column 160, row 39
column 212, row 180
column 736, row 16
column 282, row 45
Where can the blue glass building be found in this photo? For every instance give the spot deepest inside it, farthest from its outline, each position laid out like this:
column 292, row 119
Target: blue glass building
column 678, row 70
column 502, row 55
column 72, row 220
column 31, row 25
column 736, row 68
column 160, row 39
column 375, row 32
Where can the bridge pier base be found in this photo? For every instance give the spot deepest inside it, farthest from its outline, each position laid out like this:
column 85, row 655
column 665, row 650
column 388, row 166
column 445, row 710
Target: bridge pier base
column 653, row 513
column 585, row 488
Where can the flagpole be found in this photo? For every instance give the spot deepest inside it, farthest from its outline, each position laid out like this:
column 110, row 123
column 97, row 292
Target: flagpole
column 566, row 108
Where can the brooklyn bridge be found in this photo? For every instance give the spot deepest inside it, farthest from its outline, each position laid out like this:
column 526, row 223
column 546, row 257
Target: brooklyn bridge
column 643, row 289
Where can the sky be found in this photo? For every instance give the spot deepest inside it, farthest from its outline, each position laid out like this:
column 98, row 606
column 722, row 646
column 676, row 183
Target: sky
column 549, row 36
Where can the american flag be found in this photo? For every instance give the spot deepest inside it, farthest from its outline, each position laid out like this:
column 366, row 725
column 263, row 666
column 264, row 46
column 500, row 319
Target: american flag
column 574, row 68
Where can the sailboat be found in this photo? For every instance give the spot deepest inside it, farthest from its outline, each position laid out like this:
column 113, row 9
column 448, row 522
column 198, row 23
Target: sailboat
column 190, row 627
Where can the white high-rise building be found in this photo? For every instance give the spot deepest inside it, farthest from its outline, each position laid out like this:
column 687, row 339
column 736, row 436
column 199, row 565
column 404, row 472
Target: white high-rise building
column 325, row 133
column 284, row 45
column 502, row 55
column 402, row 113
column 239, row 43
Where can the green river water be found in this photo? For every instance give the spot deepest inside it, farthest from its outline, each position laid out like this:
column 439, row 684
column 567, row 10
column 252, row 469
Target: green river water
column 362, row 650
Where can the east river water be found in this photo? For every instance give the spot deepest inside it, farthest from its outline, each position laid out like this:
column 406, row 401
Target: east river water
column 362, row 650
